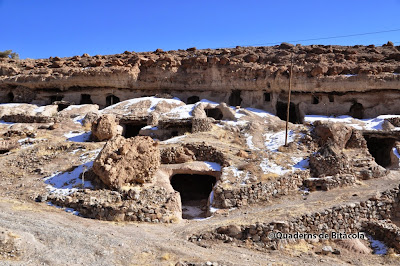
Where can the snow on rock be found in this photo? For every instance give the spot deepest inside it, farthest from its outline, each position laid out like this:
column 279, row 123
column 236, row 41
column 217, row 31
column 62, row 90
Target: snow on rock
column 249, row 142
column 213, row 166
column 78, row 136
column 274, row 140
column 298, row 163
column 361, row 124
column 173, row 140
column 145, row 104
column 378, row 246
column 68, row 182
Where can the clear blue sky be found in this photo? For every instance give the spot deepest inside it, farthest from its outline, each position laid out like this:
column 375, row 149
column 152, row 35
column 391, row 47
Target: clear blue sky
column 44, row 28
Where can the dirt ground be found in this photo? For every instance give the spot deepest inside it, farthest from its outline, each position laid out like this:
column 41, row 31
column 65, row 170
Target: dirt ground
column 39, row 234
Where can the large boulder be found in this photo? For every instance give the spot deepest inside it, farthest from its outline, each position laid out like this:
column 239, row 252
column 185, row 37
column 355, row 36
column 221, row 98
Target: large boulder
column 127, row 161
column 334, row 133
column 105, row 128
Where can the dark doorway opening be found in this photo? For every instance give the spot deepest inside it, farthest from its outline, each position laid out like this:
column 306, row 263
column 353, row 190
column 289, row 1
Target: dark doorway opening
column 315, row 99
column 357, row 111
column 56, row 98
column 86, row 99
column 112, row 99
column 234, row 98
column 214, row 113
column 194, row 191
column 281, row 112
column 132, row 130
column 10, row 97
column 380, row 149
column 193, row 99
column 267, row 97
column 331, row 98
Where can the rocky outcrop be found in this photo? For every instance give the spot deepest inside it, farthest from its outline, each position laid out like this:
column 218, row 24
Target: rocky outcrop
column 105, row 128
column 127, row 161
column 7, row 145
column 329, row 160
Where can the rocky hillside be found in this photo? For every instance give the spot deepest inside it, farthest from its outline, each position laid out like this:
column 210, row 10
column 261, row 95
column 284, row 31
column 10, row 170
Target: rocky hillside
column 316, row 67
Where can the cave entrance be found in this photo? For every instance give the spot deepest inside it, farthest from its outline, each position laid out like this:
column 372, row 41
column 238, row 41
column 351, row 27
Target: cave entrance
column 281, row 112
column 381, row 150
column 112, row 99
column 86, row 99
column 193, row 99
column 214, row 113
column 194, row 190
column 357, row 111
column 234, row 98
column 132, row 129
column 10, row 97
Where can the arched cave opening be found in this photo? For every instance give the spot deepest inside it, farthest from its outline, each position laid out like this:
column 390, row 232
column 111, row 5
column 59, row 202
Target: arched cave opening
column 112, row 99
column 194, row 190
column 234, row 98
column 380, row 149
column 193, row 99
column 10, row 97
column 357, row 110
column 56, row 98
column 132, row 129
column 214, row 113
column 86, row 99
column 281, row 112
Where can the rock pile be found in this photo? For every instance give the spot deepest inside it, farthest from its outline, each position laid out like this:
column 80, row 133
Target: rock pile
column 105, row 128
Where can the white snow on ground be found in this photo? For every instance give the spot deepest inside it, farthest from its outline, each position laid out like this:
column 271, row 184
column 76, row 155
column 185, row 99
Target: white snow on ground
column 149, row 128
column 39, row 109
column 259, row 112
column 274, row 140
column 213, row 166
column 181, row 112
column 70, row 210
column 154, row 101
column 299, row 163
column 67, row 182
column 249, row 142
column 6, row 123
column 378, row 246
column 193, row 211
column 12, row 104
column 173, row 140
column 362, row 124
column 78, row 136
column 78, row 119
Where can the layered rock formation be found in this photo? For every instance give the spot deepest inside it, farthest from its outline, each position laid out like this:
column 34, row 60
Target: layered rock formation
column 251, row 76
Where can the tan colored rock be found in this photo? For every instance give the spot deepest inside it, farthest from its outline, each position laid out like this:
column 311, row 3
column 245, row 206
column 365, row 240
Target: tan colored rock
column 105, row 128
column 227, row 112
column 77, row 110
column 336, row 133
column 127, row 161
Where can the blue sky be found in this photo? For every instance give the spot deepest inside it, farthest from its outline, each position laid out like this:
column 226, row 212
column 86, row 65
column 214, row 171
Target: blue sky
column 44, row 28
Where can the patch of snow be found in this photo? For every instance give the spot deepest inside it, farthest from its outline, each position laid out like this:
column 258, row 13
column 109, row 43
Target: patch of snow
column 378, row 246
column 361, row 124
column 213, row 166
column 67, row 182
column 211, row 198
column 274, row 140
column 11, row 104
column 6, row 123
column 78, row 119
column 208, row 101
column 78, row 136
column 69, row 210
column 153, row 103
column 301, row 163
column 249, row 142
column 173, row 140
column 271, row 167
column 149, row 128
column 181, row 112
column 259, row 112
column 39, row 109
column 90, row 155
column 349, row 75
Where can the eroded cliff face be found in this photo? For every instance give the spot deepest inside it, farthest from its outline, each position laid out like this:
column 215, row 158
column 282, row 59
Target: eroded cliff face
column 251, row 76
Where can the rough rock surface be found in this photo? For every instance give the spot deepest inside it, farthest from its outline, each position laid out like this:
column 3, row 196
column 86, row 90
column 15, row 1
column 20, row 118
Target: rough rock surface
column 338, row 133
column 105, row 128
column 329, row 160
column 127, row 161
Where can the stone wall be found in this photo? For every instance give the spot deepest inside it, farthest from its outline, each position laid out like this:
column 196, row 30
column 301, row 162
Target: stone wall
column 235, row 196
column 384, row 231
column 150, row 204
column 345, row 218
